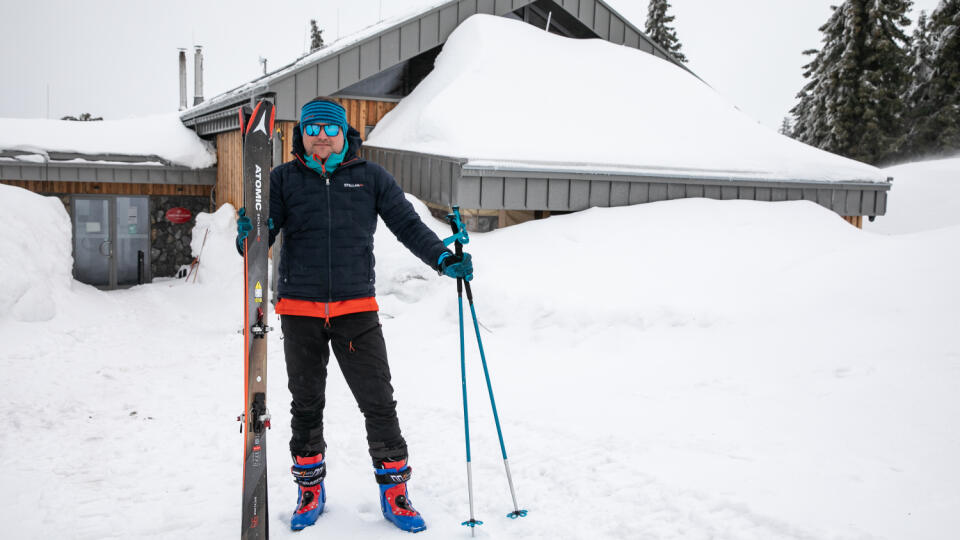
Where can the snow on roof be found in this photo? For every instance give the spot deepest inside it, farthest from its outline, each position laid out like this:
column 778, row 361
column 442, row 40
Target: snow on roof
column 261, row 84
column 162, row 135
column 506, row 94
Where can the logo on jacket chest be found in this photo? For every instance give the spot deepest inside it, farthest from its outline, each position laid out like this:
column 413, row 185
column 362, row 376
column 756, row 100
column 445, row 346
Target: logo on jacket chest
column 353, row 185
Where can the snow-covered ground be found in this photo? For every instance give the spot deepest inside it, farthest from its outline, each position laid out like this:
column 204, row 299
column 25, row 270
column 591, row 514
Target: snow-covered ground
column 678, row 370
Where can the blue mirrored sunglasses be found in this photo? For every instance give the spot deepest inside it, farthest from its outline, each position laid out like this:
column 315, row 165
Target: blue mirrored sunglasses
column 331, row 130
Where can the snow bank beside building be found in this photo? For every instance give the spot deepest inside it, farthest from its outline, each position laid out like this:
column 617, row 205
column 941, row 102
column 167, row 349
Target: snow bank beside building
column 163, row 135
column 214, row 242
column 924, row 196
column 505, row 91
column 36, row 260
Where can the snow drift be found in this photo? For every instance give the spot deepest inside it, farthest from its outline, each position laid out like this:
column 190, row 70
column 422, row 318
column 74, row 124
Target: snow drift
column 36, row 254
column 505, row 91
column 924, row 196
column 161, row 135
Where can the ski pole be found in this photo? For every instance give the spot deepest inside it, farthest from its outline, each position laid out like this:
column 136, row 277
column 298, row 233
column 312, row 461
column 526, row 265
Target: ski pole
column 472, row 522
column 517, row 512
column 461, row 237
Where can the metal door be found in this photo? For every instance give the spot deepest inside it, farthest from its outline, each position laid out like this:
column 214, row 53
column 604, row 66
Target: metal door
column 92, row 245
column 132, row 240
column 111, row 235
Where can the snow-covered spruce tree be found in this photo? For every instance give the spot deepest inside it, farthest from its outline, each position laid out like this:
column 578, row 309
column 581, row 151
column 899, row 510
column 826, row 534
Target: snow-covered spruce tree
column 935, row 98
column 786, row 127
column 851, row 104
column 316, row 36
column 914, row 99
column 660, row 31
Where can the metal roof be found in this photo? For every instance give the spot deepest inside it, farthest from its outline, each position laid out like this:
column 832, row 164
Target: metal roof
column 375, row 49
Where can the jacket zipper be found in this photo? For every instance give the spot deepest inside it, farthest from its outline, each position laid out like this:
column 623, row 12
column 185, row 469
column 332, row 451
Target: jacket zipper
column 329, row 253
column 326, row 177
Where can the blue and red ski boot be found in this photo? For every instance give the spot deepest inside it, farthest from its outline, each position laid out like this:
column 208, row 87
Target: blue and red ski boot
column 394, row 501
column 308, row 473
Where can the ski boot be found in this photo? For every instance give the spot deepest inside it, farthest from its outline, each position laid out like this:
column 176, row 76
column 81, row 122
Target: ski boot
column 308, row 473
column 397, row 508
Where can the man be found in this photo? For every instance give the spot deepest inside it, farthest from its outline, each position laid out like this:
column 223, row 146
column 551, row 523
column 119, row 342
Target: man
column 326, row 202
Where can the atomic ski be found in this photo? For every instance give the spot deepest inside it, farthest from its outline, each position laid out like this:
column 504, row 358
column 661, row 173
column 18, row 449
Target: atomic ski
column 256, row 128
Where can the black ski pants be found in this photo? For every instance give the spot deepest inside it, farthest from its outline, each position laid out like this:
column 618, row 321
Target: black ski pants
column 358, row 344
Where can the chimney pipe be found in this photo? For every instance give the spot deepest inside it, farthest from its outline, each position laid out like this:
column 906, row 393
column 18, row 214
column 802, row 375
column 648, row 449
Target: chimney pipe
column 197, row 75
column 183, row 79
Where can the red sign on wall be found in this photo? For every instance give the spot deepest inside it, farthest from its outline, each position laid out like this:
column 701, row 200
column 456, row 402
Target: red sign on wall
column 178, row 215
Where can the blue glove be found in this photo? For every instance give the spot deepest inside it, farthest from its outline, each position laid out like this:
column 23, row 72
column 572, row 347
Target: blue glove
column 456, row 267
column 243, row 228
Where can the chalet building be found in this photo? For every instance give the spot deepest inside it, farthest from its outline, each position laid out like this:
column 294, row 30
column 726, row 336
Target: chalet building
column 370, row 73
column 373, row 70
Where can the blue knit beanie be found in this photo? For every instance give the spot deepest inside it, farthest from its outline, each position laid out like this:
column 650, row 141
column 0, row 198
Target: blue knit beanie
column 323, row 111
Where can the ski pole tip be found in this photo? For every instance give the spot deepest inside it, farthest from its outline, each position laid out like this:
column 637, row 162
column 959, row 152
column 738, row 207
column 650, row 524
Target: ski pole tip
column 517, row 513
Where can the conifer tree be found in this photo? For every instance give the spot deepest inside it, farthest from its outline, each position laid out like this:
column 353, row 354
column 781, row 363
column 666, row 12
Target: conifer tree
column 316, row 36
column 660, row 31
column 786, row 127
column 851, row 104
column 84, row 117
column 935, row 99
column 915, row 103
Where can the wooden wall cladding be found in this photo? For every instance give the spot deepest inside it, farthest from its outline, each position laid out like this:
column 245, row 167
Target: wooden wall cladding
column 229, row 169
column 108, row 188
column 365, row 112
column 856, row 221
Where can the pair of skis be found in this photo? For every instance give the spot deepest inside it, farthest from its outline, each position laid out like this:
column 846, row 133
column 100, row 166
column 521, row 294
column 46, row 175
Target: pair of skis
column 256, row 128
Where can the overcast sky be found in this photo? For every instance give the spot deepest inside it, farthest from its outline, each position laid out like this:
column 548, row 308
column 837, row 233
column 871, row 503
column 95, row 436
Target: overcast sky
column 118, row 58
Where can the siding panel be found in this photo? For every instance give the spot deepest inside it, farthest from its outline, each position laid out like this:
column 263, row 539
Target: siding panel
column 601, row 23
column 328, row 80
column 448, row 21
column 559, row 194
column 429, row 31
column 587, row 8
column 491, row 193
column 599, row 193
column 349, row 67
column 305, row 89
column 619, row 194
column 390, row 49
column 369, row 58
column 409, row 40
column 579, row 194
column 465, row 9
column 639, row 192
column 468, row 192
column 537, row 193
column 658, row 192
column 616, row 30
column 514, row 194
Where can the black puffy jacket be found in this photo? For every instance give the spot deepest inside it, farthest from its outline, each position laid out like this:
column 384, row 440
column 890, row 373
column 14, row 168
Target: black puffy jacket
column 328, row 223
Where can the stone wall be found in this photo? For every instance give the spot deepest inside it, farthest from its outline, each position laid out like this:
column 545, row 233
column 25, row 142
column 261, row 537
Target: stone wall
column 170, row 242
